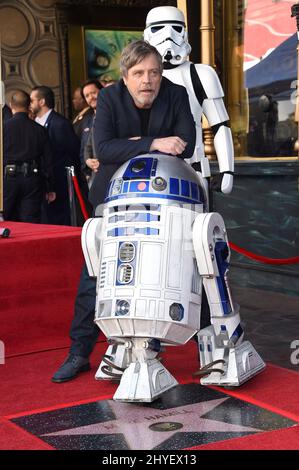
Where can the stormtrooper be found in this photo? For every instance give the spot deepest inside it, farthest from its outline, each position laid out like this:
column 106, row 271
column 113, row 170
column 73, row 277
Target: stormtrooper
column 151, row 252
column 166, row 30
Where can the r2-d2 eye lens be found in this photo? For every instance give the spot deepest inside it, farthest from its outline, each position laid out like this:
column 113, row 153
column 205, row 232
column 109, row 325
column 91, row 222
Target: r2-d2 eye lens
column 138, row 166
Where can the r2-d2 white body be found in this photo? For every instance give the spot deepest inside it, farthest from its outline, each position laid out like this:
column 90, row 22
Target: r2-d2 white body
column 149, row 263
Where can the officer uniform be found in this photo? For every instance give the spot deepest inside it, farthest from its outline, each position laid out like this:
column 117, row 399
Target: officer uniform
column 27, row 168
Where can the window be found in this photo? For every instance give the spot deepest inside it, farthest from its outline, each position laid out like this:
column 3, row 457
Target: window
column 257, row 63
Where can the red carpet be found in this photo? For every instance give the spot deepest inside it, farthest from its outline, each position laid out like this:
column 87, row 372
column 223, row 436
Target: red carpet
column 26, row 388
column 41, row 266
column 281, row 439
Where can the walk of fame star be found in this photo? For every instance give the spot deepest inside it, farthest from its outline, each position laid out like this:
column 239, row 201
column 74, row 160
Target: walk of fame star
column 188, row 415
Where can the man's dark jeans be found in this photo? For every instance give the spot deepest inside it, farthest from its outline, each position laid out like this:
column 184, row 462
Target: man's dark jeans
column 84, row 332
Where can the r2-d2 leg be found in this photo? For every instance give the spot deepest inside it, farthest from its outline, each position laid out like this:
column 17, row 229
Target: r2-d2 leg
column 115, row 359
column 225, row 359
column 114, row 362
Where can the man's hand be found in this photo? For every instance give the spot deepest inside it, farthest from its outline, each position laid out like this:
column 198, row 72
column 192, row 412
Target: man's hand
column 171, row 145
column 50, row 197
column 93, row 164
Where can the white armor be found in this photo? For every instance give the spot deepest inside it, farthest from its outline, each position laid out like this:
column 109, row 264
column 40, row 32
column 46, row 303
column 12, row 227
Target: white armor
column 174, row 48
column 150, row 253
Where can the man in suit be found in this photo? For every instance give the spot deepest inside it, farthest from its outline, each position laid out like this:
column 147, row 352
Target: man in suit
column 65, row 148
column 90, row 90
column 83, row 110
column 141, row 113
column 27, row 164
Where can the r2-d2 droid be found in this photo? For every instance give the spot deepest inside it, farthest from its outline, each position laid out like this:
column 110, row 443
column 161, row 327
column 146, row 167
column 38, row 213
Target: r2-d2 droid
column 151, row 251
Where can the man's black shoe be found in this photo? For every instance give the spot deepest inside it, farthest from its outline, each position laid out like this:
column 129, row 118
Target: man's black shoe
column 71, row 367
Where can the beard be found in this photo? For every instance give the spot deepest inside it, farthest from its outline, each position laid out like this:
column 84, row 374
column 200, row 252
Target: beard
column 145, row 100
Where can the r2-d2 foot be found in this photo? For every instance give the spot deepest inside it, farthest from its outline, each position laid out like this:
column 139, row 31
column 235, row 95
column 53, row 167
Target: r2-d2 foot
column 224, row 364
column 136, row 365
column 146, row 378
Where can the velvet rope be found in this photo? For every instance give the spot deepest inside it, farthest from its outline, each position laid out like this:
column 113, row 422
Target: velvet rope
column 80, row 198
column 264, row 259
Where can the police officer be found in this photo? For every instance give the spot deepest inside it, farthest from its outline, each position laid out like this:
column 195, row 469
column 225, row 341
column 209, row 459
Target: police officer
column 27, row 164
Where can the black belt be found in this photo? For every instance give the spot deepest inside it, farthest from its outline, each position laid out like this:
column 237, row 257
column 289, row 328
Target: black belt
column 24, row 168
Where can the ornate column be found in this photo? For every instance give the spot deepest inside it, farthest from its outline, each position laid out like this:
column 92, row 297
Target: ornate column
column 236, row 97
column 207, row 30
column 63, row 27
column 182, row 5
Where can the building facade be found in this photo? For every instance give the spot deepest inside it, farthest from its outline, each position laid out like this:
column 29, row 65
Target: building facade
column 251, row 43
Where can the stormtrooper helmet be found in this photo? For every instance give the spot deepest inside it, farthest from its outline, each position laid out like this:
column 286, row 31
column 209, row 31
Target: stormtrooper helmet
column 166, row 31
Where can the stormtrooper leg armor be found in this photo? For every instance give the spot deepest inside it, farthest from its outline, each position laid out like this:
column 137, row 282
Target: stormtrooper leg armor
column 225, row 359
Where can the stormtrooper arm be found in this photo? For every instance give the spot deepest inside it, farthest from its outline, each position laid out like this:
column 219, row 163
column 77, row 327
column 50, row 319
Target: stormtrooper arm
column 223, row 142
column 91, row 245
column 215, row 112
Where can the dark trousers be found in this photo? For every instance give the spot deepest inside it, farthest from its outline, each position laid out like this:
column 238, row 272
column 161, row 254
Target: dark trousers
column 22, row 196
column 84, row 332
column 58, row 212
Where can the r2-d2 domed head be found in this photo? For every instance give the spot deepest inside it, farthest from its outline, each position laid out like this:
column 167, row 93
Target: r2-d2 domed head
column 166, row 31
column 159, row 177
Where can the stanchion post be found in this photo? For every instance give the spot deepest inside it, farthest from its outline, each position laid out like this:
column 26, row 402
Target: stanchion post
column 70, row 173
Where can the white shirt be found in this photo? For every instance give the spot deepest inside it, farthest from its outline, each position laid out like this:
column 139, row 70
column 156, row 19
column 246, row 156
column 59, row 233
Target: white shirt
column 42, row 120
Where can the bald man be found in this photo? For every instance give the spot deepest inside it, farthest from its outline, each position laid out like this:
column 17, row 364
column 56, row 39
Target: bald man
column 28, row 164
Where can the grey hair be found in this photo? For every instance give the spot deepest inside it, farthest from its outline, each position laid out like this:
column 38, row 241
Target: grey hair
column 134, row 53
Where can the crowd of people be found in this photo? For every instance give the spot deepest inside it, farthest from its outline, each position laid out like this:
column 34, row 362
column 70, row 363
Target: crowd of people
column 38, row 145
